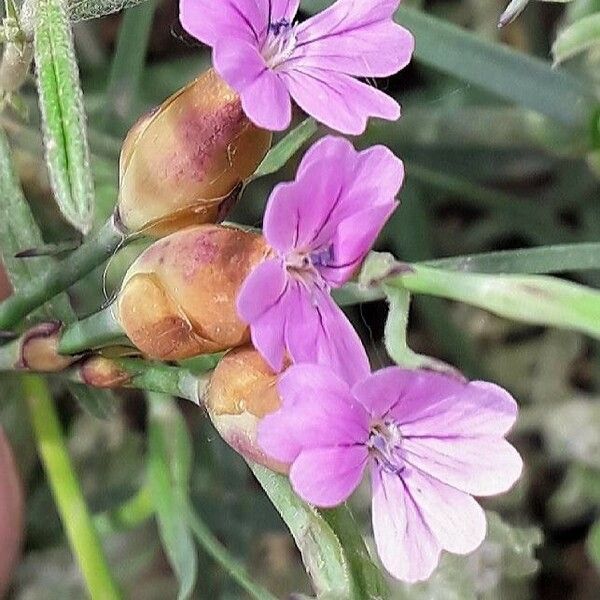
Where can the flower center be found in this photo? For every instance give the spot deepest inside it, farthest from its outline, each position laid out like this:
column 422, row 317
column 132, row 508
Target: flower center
column 280, row 43
column 385, row 445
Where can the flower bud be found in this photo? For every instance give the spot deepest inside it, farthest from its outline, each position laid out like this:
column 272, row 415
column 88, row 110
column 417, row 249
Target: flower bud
column 184, row 162
column 39, row 349
column 242, row 390
column 102, row 372
column 178, row 299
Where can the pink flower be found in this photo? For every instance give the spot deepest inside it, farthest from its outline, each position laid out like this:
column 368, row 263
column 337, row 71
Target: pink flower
column 266, row 57
column 431, row 441
column 321, row 226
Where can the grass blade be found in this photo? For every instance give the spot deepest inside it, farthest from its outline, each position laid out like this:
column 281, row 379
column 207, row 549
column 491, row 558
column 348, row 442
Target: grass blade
column 529, row 298
column 169, row 464
column 63, row 115
column 546, row 259
column 578, row 37
column 278, row 156
column 512, row 75
column 128, row 65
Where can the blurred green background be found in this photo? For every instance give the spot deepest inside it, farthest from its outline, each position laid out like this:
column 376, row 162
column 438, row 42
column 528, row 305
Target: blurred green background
column 484, row 173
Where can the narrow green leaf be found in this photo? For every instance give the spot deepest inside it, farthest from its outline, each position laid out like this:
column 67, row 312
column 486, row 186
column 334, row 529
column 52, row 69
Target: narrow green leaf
column 331, row 546
column 18, row 230
column 169, row 465
column 128, row 65
column 81, row 10
column 546, row 259
column 529, row 298
column 63, row 115
column 278, row 156
column 219, row 553
column 578, row 37
column 512, row 75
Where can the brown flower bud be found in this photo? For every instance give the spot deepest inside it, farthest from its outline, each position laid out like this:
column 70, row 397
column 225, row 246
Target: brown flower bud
column 39, row 349
column 102, row 372
column 178, row 299
column 184, row 162
column 242, row 390
column 12, row 513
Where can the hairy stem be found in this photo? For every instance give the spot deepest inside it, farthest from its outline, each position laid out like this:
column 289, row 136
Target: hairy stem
column 58, row 278
column 76, row 518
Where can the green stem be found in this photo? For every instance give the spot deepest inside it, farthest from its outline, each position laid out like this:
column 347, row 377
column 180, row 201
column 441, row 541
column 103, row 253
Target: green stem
column 96, row 331
column 543, row 260
column 60, row 276
column 130, row 514
column 151, row 376
column 70, row 502
column 218, row 552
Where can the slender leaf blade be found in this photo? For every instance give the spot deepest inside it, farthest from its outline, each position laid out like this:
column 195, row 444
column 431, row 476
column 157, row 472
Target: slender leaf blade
column 533, row 299
column 63, row 114
column 278, row 156
column 545, row 259
column 582, row 35
column 169, row 465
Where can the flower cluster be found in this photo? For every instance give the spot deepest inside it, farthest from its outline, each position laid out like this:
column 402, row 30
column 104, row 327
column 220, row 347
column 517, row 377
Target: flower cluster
column 303, row 392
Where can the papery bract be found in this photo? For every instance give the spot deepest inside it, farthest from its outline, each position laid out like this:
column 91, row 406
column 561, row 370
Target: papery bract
column 431, row 442
column 266, row 57
column 242, row 390
column 320, row 226
column 178, row 299
column 185, row 161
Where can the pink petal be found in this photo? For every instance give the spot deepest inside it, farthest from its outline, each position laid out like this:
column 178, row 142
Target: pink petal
column 340, row 197
column 212, row 20
column 283, row 9
column 338, row 345
column 405, row 543
column 265, row 98
column 353, row 240
column 327, row 476
column 433, row 403
column 481, row 466
column 261, row 290
column 317, row 410
column 297, row 211
column 355, row 38
column 381, row 390
column 337, row 100
column 262, row 304
column 454, row 518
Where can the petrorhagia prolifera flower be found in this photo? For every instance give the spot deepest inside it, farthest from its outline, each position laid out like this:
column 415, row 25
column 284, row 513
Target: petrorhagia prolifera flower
column 320, row 227
column 431, row 442
column 267, row 57
column 184, row 162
